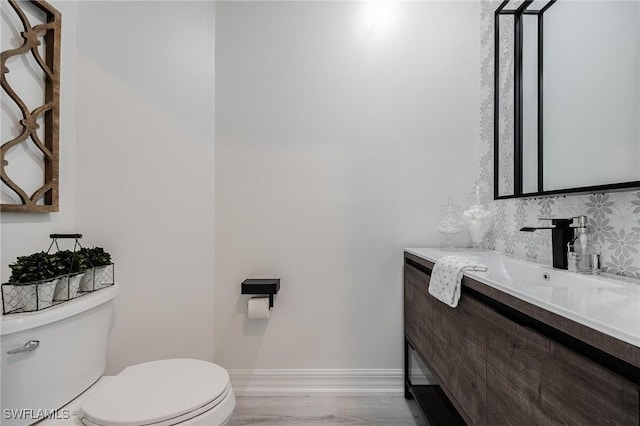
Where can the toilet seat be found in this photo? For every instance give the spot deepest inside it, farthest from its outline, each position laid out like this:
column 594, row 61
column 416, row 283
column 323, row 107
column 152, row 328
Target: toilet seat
column 158, row 393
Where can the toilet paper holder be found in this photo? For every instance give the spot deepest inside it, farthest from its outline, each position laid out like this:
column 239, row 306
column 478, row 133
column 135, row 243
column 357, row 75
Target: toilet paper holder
column 268, row 286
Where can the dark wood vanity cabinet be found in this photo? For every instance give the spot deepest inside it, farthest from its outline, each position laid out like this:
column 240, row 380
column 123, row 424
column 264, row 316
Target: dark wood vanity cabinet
column 418, row 311
column 459, row 354
column 456, row 352
column 497, row 370
column 532, row 379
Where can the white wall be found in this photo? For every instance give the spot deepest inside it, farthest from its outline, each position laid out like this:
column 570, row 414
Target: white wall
column 145, row 163
column 336, row 142
column 22, row 233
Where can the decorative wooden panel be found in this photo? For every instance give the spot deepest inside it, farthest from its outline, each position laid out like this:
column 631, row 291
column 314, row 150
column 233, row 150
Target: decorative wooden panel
column 47, row 34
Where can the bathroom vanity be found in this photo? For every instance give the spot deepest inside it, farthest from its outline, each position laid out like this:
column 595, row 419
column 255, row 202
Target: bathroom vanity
column 527, row 344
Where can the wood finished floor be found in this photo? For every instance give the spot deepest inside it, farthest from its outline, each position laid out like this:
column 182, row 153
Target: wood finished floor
column 325, row 410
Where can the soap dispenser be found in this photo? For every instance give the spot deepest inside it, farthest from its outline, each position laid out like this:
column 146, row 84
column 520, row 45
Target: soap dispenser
column 583, row 251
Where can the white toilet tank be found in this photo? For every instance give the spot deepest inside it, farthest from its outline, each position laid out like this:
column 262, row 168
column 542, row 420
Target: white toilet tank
column 69, row 358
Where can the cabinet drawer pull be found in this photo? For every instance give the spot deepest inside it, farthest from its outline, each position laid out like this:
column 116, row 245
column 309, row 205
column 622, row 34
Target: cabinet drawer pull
column 415, row 265
column 513, row 318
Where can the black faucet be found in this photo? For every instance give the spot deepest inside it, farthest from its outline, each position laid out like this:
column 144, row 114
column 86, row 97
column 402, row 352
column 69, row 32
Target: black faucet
column 561, row 235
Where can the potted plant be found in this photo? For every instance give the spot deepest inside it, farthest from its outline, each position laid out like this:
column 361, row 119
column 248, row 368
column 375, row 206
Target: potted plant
column 101, row 272
column 33, row 281
column 70, row 267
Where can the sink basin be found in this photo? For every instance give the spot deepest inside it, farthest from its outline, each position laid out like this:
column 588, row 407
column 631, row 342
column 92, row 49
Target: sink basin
column 523, row 274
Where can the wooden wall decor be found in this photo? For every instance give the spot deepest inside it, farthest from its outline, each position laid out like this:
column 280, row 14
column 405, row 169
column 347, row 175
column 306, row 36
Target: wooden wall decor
column 47, row 34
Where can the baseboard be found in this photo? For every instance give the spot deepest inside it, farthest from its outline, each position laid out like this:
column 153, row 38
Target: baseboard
column 283, row 382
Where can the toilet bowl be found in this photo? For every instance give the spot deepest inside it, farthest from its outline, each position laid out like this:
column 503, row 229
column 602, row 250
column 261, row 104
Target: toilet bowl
column 67, row 364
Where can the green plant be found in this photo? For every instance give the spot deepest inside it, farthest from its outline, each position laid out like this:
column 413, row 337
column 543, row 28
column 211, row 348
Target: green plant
column 95, row 256
column 68, row 262
column 39, row 266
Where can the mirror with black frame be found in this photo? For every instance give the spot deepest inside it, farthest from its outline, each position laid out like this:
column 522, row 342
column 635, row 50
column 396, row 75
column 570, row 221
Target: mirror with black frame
column 567, row 97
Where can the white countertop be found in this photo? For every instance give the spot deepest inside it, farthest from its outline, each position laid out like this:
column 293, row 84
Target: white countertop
column 605, row 303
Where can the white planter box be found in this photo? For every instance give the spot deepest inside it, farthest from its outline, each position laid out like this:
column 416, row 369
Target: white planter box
column 97, row 278
column 68, row 287
column 29, row 297
column 104, row 276
column 87, row 280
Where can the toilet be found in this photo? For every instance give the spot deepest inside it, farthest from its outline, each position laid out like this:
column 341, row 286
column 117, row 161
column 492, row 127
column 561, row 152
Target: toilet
column 166, row 392
column 67, row 364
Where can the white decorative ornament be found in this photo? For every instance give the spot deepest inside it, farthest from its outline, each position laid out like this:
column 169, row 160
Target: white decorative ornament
column 478, row 217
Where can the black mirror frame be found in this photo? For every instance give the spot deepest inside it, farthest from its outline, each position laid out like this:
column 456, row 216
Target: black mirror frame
column 518, row 96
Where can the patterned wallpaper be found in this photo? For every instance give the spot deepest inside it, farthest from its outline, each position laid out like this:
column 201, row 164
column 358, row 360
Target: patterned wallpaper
column 614, row 217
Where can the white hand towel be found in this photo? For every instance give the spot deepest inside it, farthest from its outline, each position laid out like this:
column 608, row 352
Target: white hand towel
column 447, row 276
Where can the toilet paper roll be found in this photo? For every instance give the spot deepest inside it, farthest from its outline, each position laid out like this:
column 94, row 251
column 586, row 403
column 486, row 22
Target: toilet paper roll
column 258, row 308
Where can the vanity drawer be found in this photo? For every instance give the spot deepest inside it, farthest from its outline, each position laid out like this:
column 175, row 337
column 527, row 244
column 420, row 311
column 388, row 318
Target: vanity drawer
column 418, row 307
column 532, row 379
column 459, row 355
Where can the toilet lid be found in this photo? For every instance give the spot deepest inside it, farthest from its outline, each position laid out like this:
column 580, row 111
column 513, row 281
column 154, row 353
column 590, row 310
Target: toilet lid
column 156, row 391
